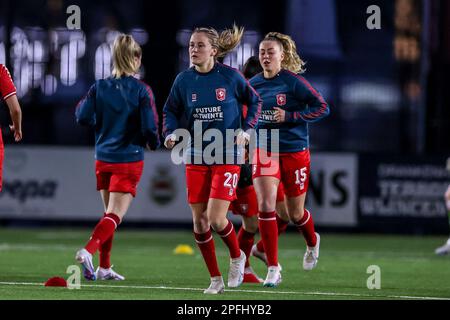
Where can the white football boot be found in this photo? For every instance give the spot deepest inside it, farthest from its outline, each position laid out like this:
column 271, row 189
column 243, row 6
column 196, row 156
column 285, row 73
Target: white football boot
column 443, row 250
column 85, row 259
column 273, row 277
column 108, row 274
column 236, row 272
column 216, row 287
column 311, row 256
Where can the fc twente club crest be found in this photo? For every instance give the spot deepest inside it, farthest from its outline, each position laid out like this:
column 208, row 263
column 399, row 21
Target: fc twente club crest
column 221, row 94
column 281, row 99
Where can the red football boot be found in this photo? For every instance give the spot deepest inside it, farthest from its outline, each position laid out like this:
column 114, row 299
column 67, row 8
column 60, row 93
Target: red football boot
column 251, row 277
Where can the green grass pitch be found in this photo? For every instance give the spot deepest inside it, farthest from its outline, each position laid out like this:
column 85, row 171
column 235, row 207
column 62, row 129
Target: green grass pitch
column 409, row 268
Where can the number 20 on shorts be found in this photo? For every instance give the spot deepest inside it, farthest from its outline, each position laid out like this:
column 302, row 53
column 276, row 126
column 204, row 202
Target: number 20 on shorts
column 230, row 178
column 231, row 181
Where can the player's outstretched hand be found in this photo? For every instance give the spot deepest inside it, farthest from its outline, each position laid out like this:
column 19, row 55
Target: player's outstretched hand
column 242, row 138
column 170, row 141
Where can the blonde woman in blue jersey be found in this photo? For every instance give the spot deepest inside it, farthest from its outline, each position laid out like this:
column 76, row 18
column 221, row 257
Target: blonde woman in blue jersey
column 210, row 95
column 289, row 104
column 123, row 112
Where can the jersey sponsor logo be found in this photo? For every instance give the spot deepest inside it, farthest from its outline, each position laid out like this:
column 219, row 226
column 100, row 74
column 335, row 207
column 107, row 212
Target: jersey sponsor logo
column 267, row 116
column 221, row 94
column 208, row 114
column 194, row 97
column 281, row 99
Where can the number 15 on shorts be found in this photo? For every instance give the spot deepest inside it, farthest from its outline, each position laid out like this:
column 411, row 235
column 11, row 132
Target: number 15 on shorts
column 300, row 177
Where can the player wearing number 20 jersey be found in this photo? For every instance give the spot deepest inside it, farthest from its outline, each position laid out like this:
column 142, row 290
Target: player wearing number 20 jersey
column 212, row 100
column 210, row 95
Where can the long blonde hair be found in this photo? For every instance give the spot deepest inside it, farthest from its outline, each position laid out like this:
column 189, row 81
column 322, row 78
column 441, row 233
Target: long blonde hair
column 292, row 60
column 125, row 50
column 224, row 42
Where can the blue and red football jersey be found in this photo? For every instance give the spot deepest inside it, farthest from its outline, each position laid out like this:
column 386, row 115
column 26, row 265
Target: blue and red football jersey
column 211, row 100
column 124, row 116
column 301, row 102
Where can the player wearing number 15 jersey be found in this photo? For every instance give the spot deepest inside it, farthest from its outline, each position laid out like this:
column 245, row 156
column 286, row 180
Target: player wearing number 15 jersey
column 210, row 95
column 246, row 204
column 289, row 104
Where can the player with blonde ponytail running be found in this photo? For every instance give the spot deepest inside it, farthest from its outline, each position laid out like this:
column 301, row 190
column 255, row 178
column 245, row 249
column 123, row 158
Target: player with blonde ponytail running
column 211, row 186
column 122, row 111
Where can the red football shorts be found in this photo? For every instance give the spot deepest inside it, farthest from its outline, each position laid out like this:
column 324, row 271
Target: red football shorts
column 211, row 182
column 280, row 192
column 246, row 203
column 2, row 155
column 118, row 177
column 291, row 168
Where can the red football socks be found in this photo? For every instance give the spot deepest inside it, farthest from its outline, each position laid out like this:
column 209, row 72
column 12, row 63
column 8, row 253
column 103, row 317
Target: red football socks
column 246, row 240
column 282, row 226
column 306, row 226
column 205, row 243
column 105, row 252
column 269, row 235
column 228, row 236
column 260, row 246
column 103, row 231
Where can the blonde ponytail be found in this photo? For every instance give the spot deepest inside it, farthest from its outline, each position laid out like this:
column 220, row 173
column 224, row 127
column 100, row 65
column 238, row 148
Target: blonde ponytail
column 125, row 50
column 224, row 42
column 229, row 39
column 292, row 60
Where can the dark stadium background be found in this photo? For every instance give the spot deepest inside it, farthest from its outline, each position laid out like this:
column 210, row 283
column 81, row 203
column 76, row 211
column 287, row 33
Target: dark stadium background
column 378, row 171
column 386, row 88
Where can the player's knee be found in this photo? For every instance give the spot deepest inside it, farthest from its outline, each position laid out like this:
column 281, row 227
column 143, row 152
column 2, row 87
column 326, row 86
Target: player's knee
column 217, row 221
column 296, row 213
column 282, row 211
column 265, row 205
column 201, row 225
column 218, row 224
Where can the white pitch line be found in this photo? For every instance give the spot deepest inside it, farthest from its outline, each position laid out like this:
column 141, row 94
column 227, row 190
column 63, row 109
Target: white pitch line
column 312, row 293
